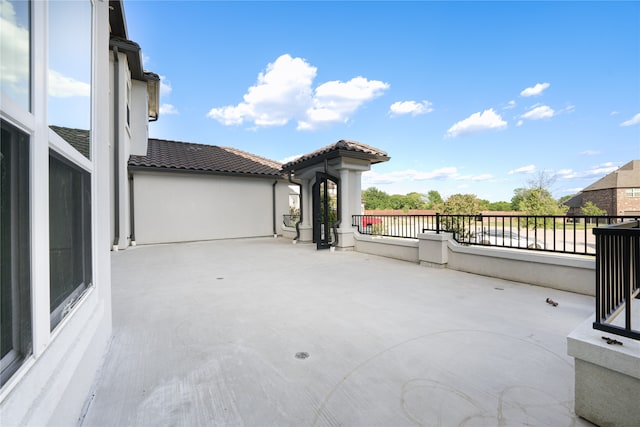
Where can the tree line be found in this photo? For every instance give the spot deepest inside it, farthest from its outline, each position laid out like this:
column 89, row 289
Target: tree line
column 534, row 199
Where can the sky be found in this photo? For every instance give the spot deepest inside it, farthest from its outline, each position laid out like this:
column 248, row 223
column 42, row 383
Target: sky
column 465, row 97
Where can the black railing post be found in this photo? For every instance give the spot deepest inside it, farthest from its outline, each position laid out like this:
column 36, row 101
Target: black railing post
column 437, row 223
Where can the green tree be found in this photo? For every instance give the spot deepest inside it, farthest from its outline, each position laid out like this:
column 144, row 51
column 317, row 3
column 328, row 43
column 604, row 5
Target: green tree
column 375, row 199
column 500, row 206
column 433, row 199
column 539, row 202
column 518, row 195
column 414, row 201
column 461, row 204
column 590, row 209
column 458, row 204
column 396, row 201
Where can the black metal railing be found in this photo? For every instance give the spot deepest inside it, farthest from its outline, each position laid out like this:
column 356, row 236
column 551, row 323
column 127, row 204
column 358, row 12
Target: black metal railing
column 617, row 281
column 404, row 226
column 290, row 220
column 564, row 234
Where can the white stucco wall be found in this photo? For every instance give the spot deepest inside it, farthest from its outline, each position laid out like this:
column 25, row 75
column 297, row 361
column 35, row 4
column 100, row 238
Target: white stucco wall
column 183, row 207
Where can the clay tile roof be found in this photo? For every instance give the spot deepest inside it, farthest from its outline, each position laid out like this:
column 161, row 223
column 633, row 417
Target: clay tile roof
column 341, row 147
column 184, row 156
column 78, row 138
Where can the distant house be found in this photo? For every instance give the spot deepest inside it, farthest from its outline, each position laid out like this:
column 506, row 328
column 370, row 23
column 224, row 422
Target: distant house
column 617, row 193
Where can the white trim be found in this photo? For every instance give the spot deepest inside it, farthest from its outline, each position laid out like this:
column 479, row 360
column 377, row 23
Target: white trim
column 39, row 182
column 16, row 115
column 66, row 150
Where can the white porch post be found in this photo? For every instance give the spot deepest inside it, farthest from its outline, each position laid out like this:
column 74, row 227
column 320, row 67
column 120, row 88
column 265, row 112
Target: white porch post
column 350, row 199
column 306, row 204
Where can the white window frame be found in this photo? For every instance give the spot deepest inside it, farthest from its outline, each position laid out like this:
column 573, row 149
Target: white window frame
column 632, row 192
column 73, row 156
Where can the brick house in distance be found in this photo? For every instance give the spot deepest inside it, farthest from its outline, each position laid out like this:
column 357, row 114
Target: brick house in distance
column 618, row 193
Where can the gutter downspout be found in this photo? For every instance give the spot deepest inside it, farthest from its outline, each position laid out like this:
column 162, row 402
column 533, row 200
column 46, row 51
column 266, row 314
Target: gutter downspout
column 295, row 239
column 273, row 195
column 116, row 151
column 132, row 216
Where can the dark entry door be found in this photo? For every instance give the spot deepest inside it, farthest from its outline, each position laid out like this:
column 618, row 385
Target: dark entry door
column 326, row 210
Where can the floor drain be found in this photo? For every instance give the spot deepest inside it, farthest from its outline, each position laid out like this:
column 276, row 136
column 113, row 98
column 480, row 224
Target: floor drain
column 302, row 355
column 499, row 289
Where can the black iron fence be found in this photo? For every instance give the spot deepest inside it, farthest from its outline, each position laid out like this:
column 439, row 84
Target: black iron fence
column 617, row 281
column 565, row 234
column 290, row 220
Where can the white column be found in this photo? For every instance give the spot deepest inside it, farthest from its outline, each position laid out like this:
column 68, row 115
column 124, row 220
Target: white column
column 345, row 199
column 306, row 205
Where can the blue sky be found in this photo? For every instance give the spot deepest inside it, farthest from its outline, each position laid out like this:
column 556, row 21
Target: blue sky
column 465, row 97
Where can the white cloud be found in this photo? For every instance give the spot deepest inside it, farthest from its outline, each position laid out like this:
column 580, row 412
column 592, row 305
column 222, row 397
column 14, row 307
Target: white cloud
column 524, row 169
column 535, row 90
column 520, row 123
column 510, row 105
column 376, row 178
column 595, row 171
column 290, row 158
column 14, row 51
column 165, row 86
column 63, row 87
column 590, row 152
column 614, row 113
column 336, row 101
column 441, row 174
column 563, row 172
column 538, row 112
column 283, row 92
column 482, row 177
column 477, row 122
column 168, row 109
column 145, row 60
column 602, row 169
column 410, row 107
column 632, row 121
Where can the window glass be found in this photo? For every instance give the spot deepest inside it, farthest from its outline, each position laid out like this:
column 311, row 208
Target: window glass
column 15, row 77
column 69, row 73
column 69, row 235
column 632, row 192
column 15, row 285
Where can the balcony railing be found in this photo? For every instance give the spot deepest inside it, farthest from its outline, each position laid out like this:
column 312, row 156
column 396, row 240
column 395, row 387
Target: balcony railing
column 617, row 281
column 564, row 234
column 290, row 220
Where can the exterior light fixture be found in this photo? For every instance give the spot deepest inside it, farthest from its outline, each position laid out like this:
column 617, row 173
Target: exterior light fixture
column 153, row 95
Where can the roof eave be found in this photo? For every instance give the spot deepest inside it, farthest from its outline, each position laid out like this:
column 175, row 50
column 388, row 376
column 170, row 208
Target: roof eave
column 138, row 168
column 134, row 57
column 297, row 165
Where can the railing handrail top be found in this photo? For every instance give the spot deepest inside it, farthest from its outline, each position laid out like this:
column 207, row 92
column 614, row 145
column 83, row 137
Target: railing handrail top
column 624, row 228
column 632, row 217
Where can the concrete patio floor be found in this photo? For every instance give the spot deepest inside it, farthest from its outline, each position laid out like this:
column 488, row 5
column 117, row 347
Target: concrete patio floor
column 207, row 334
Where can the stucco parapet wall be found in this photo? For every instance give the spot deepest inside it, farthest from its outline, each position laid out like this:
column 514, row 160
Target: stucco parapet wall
column 586, row 343
column 432, row 249
column 390, row 247
column 432, row 235
column 607, row 377
column 564, row 260
column 572, row 273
